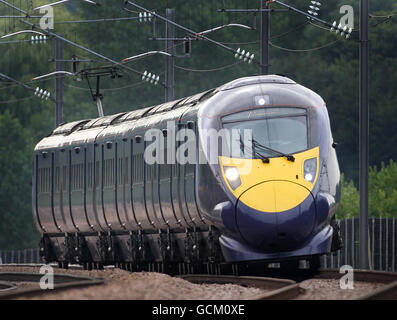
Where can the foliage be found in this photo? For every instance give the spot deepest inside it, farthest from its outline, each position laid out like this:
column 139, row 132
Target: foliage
column 17, row 228
column 382, row 194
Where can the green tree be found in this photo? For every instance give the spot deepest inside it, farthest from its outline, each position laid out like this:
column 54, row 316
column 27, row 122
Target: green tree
column 17, row 228
column 382, row 194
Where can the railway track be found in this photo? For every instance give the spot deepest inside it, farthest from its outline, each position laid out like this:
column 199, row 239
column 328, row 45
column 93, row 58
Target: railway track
column 274, row 288
column 26, row 284
column 286, row 289
column 275, row 284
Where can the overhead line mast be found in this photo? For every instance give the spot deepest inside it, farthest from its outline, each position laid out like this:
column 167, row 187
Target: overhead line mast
column 364, row 132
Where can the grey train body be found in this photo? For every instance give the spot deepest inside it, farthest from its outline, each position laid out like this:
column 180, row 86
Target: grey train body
column 96, row 201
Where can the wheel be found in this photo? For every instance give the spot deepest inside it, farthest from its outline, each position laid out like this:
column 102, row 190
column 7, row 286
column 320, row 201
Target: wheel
column 337, row 242
column 290, row 265
column 315, row 263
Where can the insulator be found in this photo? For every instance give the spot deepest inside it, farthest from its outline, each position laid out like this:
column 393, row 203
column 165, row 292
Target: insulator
column 157, row 80
column 37, row 91
column 316, row 3
column 333, row 26
column 140, row 16
column 144, row 75
column 144, row 16
column 148, row 76
column 188, row 44
column 237, row 53
column 339, row 28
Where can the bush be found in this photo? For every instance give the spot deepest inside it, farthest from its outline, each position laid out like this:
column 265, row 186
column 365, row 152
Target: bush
column 382, row 194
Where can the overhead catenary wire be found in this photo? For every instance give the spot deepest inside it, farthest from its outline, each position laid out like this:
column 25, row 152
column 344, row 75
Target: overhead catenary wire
column 383, row 16
column 17, row 100
column 97, row 20
column 85, row 49
column 304, row 50
column 186, row 29
column 133, row 85
column 208, row 70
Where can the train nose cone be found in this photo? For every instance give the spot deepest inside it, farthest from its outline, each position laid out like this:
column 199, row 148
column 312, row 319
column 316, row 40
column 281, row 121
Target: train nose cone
column 276, row 215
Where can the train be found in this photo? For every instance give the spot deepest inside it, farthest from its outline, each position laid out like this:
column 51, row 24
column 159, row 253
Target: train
column 245, row 172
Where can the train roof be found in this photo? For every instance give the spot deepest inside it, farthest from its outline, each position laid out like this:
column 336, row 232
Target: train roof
column 105, row 121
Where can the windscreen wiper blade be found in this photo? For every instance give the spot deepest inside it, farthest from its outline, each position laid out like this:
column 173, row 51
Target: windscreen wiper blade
column 243, row 148
column 289, row 157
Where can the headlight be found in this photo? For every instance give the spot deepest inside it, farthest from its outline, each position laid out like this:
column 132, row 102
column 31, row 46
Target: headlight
column 232, row 176
column 310, row 169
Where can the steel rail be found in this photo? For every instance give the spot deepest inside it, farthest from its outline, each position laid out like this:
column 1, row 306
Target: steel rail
column 386, row 292
column 285, row 289
column 275, row 288
column 10, row 289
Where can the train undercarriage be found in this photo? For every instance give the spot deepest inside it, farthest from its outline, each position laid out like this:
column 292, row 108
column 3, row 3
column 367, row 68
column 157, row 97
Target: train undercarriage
column 173, row 252
column 176, row 251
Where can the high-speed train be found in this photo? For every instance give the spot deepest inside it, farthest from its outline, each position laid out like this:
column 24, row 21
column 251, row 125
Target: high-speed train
column 265, row 189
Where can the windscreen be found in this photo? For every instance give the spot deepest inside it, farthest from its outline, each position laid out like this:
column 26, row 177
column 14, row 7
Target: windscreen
column 271, row 130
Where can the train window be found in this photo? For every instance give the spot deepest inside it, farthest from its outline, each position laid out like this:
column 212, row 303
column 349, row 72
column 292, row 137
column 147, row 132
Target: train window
column 263, row 113
column 64, row 177
column 125, row 176
column 284, row 134
column 165, row 171
column 138, row 168
column 89, row 175
column 122, row 175
column 96, row 173
column 109, row 173
column 56, row 179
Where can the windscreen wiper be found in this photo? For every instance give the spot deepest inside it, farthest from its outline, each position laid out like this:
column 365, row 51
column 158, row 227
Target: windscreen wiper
column 289, row 157
column 243, row 148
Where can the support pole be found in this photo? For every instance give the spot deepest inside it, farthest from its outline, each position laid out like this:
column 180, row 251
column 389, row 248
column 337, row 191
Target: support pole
column 169, row 60
column 364, row 131
column 264, row 38
column 59, row 82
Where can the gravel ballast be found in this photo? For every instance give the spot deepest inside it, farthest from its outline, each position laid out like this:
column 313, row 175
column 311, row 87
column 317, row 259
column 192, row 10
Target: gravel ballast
column 123, row 285
column 329, row 289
